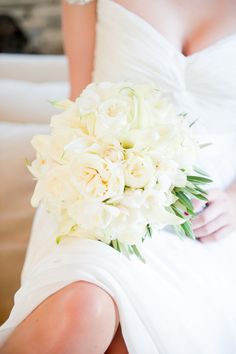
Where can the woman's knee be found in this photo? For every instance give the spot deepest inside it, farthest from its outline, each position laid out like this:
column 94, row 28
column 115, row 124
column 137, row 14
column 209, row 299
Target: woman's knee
column 78, row 318
column 85, row 305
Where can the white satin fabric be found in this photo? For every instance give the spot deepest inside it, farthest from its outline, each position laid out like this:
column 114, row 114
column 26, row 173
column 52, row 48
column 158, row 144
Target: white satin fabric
column 183, row 300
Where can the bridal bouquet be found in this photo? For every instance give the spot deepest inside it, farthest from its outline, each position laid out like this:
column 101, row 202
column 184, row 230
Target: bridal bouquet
column 118, row 163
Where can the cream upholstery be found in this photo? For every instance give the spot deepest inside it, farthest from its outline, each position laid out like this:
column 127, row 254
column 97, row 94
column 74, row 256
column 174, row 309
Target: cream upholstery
column 24, row 110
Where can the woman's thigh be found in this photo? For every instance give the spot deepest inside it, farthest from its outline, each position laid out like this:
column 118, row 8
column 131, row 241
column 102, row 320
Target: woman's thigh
column 81, row 317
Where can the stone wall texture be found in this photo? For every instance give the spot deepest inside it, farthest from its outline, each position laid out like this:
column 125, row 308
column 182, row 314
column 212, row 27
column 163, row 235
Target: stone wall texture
column 41, row 22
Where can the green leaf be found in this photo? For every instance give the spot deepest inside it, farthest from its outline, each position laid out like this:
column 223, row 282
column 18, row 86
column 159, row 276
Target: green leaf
column 191, row 124
column 188, row 230
column 202, row 146
column 199, row 180
column 201, row 190
column 137, row 253
column 183, row 114
column 124, row 250
column 201, row 197
column 130, row 249
column 200, row 171
column 179, row 231
column 59, row 238
column 184, row 200
column 61, row 104
column 114, row 244
column 195, row 193
column 149, row 230
column 176, row 211
column 27, row 163
column 118, row 246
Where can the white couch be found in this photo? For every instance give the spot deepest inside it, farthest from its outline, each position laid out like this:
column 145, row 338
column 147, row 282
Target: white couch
column 27, row 83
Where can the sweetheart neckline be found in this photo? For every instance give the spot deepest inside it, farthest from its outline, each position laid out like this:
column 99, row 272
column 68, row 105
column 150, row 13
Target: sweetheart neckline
column 165, row 40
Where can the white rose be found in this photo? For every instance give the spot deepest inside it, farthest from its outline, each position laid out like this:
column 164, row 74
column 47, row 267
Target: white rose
column 55, row 188
column 70, row 118
column 169, row 174
column 89, row 100
column 82, row 122
column 113, row 114
column 39, row 167
column 111, row 149
column 92, row 214
column 96, row 178
column 132, row 198
column 82, row 145
column 41, row 144
column 88, row 123
column 129, row 226
column 58, row 140
column 138, row 170
column 154, row 208
column 43, row 162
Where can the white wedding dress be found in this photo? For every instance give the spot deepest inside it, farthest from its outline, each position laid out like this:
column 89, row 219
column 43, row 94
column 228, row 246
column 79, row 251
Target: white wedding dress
column 183, row 300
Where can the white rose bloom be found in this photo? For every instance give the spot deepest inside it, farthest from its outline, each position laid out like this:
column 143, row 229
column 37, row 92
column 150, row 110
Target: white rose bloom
column 41, row 143
column 164, row 110
column 39, row 167
column 132, row 198
column 96, row 178
column 129, row 226
column 132, row 234
column 169, row 174
column 88, row 101
column 90, row 214
column 58, row 140
column 113, row 114
column 88, row 123
column 82, row 145
column 66, row 225
column 154, row 208
column 73, row 119
column 70, row 118
column 138, row 170
column 43, row 162
column 111, row 149
column 55, row 188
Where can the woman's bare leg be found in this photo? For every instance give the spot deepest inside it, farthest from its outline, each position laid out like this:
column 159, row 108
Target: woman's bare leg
column 117, row 345
column 80, row 318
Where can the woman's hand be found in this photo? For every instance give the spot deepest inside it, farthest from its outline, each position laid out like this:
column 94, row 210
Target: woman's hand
column 218, row 218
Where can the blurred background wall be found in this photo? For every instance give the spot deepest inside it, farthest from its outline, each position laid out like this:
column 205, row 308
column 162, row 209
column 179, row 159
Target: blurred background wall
column 33, row 26
column 28, row 82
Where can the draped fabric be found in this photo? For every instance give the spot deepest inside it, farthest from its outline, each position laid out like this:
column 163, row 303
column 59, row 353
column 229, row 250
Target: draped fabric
column 183, row 299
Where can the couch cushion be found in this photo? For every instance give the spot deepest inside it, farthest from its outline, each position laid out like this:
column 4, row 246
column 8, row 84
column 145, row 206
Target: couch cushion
column 33, row 67
column 16, row 213
column 23, row 101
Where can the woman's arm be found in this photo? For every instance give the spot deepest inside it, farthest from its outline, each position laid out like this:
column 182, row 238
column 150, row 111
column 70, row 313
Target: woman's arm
column 79, row 24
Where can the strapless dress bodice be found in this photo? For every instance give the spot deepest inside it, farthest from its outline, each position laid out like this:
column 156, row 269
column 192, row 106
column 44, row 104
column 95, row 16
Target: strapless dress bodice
column 202, row 84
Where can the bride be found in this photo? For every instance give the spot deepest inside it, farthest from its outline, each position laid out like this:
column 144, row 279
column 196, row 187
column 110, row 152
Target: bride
column 84, row 297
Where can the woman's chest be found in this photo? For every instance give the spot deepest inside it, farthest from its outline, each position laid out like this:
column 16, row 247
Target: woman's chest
column 186, row 25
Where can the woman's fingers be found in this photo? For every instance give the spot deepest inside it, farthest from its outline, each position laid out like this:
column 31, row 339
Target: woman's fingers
column 216, row 220
column 219, row 234
column 198, row 205
column 212, row 226
column 211, row 212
